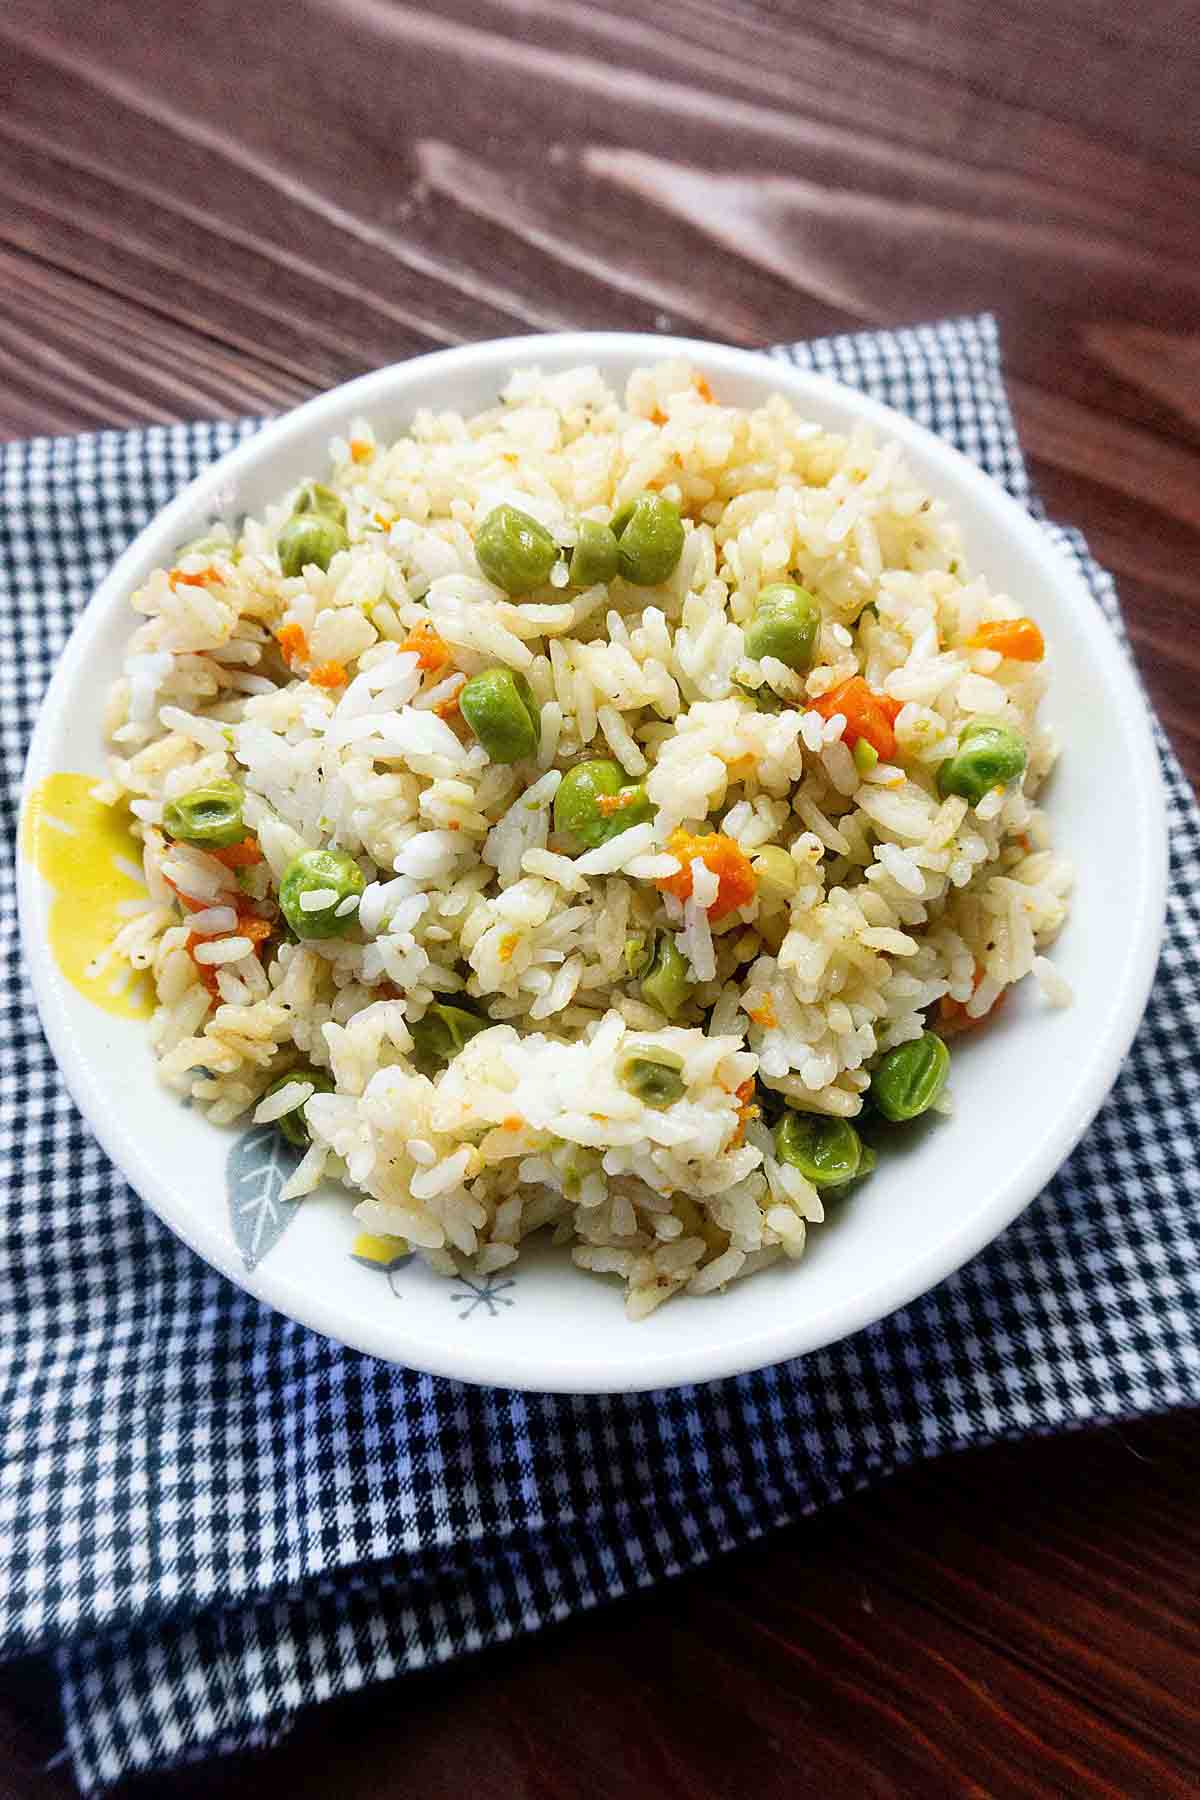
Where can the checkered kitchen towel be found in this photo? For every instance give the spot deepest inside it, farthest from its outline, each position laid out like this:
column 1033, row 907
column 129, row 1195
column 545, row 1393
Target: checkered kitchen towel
column 210, row 1516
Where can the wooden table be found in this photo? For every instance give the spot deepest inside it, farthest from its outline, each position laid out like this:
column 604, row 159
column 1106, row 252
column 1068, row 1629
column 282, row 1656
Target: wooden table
column 218, row 209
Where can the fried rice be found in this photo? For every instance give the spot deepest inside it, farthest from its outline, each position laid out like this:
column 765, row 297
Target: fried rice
column 875, row 906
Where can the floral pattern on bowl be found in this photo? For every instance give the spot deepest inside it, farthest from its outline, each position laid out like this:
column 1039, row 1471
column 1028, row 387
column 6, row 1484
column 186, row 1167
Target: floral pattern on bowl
column 88, row 855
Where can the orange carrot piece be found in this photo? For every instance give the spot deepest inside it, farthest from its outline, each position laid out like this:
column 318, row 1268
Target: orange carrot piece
column 361, row 451
column 747, row 1110
column 447, row 708
column 432, row 651
column 328, row 675
column 194, row 577
column 256, row 929
column 206, row 971
column 736, row 880
column 953, row 1015
column 867, row 714
column 293, row 641
column 1019, row 639
column 249, row 925
column 239, row 856
column 186, row 901
column 764, row 1014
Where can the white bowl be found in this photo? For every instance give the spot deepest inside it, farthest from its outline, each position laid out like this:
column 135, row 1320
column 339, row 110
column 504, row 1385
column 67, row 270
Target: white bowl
column 1024, row 1089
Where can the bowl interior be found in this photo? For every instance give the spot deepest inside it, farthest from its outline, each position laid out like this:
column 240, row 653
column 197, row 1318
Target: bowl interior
column 1023, row 1091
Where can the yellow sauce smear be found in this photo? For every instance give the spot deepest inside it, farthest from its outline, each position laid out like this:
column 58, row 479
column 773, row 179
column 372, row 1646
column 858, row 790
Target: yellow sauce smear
column 92, row 861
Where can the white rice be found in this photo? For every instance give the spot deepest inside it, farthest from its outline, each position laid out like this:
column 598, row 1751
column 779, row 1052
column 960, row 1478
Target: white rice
column 285, row 1100
column 223, row 950
column 861, row 909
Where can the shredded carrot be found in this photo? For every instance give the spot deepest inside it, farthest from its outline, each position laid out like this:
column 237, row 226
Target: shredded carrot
column 867, row 714
column 239, row 856
column 764, row 1014
column 514, row 1122
column 432, row 651
column 508, row 944
column 193, row 577
column 293, row 641
column 658, row 417
column 1019, row 639
column 703, row 389
column 736, row 879
column 329, row 675
column 251, row 926
column 361, row 451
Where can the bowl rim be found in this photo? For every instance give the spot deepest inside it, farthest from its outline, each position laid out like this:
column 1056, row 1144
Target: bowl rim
column 643, row 1366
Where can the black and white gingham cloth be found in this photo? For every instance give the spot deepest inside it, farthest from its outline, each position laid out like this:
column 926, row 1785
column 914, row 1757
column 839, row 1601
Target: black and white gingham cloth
column 210, row 1517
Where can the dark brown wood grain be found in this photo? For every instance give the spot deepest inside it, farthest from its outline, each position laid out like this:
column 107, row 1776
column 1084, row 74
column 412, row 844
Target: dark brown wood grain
column 219, row 209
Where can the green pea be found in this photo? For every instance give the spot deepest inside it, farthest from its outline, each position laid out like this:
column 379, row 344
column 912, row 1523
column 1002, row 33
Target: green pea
column 441, row 1031
column 666, row 983
column 315, row 497
column 784, row 624
column 315, row 872
column 653, row 1075
column 595, row 801
column 990, row 754
column 828, row 1152
column 499, row 706
column 596, row 556
column 310, row 537
column 514, row 551
column 293, row 1125
column 210, row 816
column 909, row 1078
column 649, row 533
